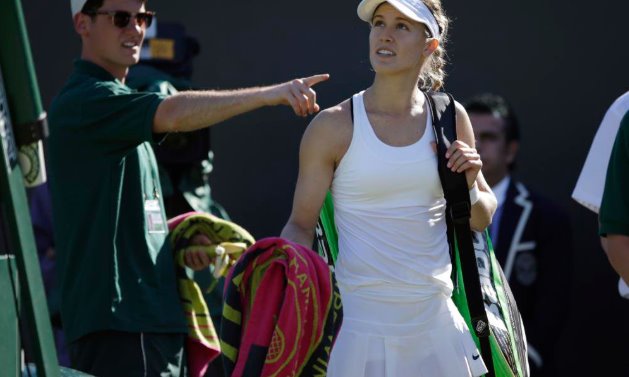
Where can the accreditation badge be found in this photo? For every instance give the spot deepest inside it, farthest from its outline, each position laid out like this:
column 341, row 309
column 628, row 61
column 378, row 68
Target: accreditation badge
column 154, row 219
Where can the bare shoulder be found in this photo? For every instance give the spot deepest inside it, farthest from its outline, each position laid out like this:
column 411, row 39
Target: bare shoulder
column 335, row 119
column 331, row 130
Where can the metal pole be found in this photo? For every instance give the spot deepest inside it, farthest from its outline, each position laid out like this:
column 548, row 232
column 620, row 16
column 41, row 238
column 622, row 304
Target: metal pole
column 21, row 107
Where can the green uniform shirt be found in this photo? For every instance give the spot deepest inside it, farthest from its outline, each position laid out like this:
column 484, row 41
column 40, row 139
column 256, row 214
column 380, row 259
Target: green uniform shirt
column 614, row 213
column 115, row 267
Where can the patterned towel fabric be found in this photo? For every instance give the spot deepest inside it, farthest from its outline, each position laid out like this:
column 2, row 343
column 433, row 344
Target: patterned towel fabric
column 229, row 241
column 282, row 312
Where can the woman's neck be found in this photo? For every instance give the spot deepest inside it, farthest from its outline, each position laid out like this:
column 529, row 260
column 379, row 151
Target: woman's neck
column 394, row 95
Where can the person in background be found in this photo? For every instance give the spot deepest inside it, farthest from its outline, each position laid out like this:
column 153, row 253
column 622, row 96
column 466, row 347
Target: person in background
column 185, row 159
column 614, row 215
column 531, row 236
column 591, row 183
column 120, row 306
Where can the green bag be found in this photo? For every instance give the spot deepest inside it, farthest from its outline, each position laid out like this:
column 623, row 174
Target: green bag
column 507, row 339
column 326, row 237
column 481, row 292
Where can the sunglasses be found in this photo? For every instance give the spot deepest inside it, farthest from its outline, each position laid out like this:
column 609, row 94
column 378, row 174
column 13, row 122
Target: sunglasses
column 121, row 18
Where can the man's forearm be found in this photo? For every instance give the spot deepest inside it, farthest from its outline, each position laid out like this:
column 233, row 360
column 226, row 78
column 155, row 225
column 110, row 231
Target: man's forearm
column 618, row 254
column 192, row 110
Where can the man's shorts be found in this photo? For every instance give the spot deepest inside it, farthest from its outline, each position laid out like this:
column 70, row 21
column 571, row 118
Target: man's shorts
column 115, row 354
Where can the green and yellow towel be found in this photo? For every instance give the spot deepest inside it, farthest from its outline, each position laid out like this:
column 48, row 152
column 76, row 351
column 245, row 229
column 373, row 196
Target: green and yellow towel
column 229, row 241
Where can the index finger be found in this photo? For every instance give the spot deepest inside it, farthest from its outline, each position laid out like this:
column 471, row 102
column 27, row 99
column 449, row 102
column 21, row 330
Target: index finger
column 313, row 80
column 457, row 144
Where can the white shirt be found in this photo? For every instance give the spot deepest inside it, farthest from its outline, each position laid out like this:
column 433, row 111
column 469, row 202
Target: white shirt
column 591, row 184
column 389, row 211
column 589, row 188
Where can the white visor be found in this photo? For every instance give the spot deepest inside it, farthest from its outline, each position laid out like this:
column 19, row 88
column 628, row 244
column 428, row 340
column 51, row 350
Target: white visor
column 416, row 10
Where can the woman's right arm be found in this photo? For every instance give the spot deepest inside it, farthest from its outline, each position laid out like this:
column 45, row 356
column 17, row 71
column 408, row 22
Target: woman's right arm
column 323, row 144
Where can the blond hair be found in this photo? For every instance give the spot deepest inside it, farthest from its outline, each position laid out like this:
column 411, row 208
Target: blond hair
column 433, row 72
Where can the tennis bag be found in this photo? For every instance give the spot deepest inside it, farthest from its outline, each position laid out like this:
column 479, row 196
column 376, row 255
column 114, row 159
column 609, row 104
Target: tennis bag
column 481, row 291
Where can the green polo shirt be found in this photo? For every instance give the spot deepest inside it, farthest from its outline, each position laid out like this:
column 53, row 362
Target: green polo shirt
column 614, row 213
column 116, row 271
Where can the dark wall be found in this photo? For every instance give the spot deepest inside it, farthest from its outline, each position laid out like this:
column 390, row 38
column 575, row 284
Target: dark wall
column 560, row 62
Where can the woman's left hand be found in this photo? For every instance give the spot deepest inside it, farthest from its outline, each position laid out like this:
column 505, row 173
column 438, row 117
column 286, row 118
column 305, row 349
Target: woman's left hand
column 463, row 158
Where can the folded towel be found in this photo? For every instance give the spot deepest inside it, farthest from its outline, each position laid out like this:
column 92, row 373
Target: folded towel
column 282, row 312
column 229, row 241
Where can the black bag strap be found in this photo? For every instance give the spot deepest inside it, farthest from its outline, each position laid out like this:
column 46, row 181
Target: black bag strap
column 458, row 213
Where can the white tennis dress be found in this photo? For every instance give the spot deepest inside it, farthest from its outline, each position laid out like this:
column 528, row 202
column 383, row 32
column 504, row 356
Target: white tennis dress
column 393, row 267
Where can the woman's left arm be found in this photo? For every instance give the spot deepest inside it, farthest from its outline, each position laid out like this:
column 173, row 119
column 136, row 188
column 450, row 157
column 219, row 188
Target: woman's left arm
column 463, row 157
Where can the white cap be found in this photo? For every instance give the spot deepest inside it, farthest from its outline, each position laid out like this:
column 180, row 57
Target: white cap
column 416, row 10
column 77, row 5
